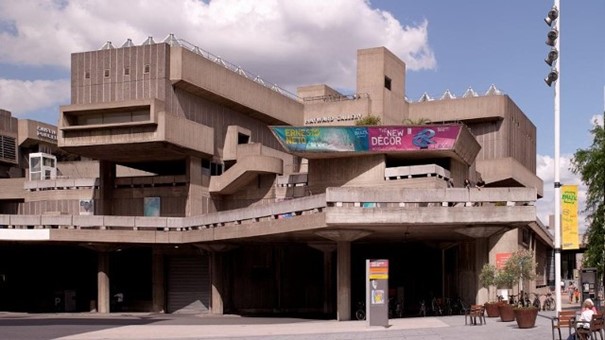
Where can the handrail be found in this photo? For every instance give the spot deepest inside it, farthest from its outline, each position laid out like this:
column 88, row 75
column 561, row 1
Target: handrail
column 333, row 198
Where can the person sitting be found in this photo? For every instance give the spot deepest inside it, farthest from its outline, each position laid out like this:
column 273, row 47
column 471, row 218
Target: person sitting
column 480, row 183
column 583, row 323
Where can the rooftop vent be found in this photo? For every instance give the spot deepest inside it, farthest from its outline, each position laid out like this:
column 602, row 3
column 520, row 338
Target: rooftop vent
column 447, row 95
column 425, row 98
column 172, row 40
column 493, row 91
column 469, row 93
column 149, row 41
column 128, row 43
column 107, row 46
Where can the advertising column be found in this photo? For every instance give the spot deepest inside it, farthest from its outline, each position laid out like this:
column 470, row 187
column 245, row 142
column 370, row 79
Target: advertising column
column 377, row 290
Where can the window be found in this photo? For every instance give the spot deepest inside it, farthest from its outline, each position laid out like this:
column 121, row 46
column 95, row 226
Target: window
column 106, row 73
column 100, row 118
column 242, row 138
column 387, row 83
column 87, row 75
column 126, row 71
column 146, row 68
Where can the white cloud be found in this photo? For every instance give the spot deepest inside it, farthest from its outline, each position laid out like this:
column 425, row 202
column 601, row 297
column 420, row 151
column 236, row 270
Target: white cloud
column 20, row 97
column 310, row 41
column 546, row 205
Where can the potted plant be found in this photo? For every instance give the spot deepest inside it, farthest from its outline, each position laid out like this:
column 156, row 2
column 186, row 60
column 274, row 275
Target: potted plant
column 518, row 268
column 505, row 279
column 487, row 279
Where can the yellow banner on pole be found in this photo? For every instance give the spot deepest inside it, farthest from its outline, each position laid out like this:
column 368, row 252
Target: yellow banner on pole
column 569, row 217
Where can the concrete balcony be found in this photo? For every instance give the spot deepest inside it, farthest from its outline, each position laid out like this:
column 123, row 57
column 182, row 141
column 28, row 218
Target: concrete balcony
column 95, row 131
column 426, row 214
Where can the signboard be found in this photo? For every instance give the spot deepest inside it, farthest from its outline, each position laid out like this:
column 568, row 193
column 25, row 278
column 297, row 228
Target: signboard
column 151, row 206
column 377, row 287
column 501, row 259
column 569, row 217
column 322, row 139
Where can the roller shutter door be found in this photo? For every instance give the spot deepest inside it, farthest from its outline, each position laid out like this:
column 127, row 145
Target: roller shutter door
column 188, row 285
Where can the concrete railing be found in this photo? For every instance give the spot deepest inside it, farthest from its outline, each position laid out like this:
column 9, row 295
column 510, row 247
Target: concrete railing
column 426, row 170
column 333, row 198
column 61, row 183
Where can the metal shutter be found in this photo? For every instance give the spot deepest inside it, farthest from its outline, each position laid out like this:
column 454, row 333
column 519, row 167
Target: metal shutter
column 188, row 285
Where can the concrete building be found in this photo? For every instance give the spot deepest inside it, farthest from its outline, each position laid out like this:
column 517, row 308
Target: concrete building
column 175, row 191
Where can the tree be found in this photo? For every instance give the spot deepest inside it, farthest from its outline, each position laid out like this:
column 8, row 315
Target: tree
column 369, row 120
column 520, row 267
column 590, row 164
column 487, row 278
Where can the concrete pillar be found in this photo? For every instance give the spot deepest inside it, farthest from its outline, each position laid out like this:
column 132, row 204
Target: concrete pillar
column 158, row 282
column 107, row 177
column 343, row 240
column 481, row 258
column 343, row 280
column 216, row 277
column 195, row 197
column 103, row 298
column 327, row 249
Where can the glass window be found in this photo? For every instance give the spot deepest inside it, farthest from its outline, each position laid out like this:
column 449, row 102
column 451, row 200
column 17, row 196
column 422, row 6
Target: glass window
column 35, row 164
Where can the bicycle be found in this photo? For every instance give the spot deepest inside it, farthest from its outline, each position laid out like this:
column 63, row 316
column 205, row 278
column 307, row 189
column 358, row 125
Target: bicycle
column 360, row 313
column 549, row 303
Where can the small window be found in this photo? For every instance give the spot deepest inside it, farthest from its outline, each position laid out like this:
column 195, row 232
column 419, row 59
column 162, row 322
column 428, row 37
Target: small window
column 242, row 138
column 126, row 71
column 387, row 83
column 106, row 73
column 146, row 69
column 86, row 75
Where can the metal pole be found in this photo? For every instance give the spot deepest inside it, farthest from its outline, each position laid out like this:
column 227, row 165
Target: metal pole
column 557, row 169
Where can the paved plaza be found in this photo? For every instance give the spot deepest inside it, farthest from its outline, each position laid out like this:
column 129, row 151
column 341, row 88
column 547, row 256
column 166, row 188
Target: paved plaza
column 93, row 326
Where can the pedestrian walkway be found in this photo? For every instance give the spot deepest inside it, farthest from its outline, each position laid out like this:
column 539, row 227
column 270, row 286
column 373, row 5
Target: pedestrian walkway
column 93, row 326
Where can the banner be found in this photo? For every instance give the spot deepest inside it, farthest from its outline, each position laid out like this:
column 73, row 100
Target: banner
column 366, row 138
column 569, row 217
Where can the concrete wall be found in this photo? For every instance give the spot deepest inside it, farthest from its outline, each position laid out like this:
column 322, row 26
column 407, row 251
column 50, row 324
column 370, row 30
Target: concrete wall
column 373, row 65
column 352, row 171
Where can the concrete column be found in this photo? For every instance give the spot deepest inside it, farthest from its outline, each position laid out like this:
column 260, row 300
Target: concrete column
column 327, row 249
column 343, row 240
column 107, row 177
column 157, row 282
column 103, row 298
column 481, row 258
column 216, row 277
column 195, row 190
column 343, row 280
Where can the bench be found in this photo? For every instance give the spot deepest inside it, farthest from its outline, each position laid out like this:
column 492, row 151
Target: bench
column 565, row 319
column 474, row 314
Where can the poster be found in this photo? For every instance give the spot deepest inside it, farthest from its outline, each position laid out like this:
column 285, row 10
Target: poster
column 569, row 217
column 151, row 206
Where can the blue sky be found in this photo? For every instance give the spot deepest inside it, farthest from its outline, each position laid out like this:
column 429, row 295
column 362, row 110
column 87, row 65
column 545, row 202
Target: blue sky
column 446, row 45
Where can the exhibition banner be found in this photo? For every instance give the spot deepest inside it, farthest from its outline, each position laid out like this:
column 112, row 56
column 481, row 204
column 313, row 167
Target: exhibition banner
column 569, row 217
column 366, row 138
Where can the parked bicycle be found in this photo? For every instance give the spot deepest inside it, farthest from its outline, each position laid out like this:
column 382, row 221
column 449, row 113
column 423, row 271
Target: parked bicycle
column 360, row 313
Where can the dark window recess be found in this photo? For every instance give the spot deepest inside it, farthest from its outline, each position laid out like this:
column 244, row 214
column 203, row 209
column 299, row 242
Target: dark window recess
column 86, row 75
column 146, row 69
column 216, row 169
column 106, row 73
column 387, row 83
column 8, row 149
column 205, row 163
column 126, row 71
column 242, row 139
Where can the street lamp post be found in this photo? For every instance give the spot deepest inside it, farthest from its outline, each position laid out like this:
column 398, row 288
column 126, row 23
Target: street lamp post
column 553, row 60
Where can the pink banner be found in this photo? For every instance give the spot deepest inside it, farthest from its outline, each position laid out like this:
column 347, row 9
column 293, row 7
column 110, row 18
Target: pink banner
column 396, row 138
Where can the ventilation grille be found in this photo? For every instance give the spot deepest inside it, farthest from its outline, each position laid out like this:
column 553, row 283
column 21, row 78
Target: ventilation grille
column 8, row 149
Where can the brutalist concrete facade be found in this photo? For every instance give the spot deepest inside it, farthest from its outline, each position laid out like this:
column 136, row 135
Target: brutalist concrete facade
column 173, row 191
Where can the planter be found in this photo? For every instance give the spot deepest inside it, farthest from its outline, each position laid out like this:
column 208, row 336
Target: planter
column 506, row 312
column 526, row 317
column 491, row 308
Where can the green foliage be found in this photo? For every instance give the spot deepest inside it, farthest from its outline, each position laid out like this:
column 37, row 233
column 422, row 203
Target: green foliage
column 487, row 277
column 590, row 164
column 519, row 267
column 369, row 120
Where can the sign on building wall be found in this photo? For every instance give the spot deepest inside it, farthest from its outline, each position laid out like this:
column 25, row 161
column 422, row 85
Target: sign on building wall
column 366, row 138
column 151, row 206
column 501, row 259
column 87, row 207
column 569, row 217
